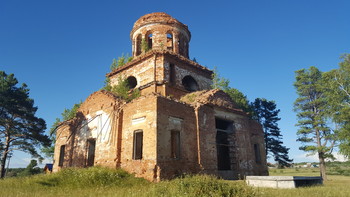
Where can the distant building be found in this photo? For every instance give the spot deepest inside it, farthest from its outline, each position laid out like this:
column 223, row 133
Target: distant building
column 178, row 124
column 48, row 168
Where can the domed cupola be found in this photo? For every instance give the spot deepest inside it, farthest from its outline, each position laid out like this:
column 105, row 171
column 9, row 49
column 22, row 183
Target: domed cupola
column 160, row 31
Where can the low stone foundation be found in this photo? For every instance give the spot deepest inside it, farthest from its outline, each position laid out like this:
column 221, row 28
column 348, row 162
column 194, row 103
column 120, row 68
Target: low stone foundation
column 283, row 181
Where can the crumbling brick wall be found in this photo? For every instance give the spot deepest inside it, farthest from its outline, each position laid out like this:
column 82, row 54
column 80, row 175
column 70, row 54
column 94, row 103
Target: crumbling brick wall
column 140, row 115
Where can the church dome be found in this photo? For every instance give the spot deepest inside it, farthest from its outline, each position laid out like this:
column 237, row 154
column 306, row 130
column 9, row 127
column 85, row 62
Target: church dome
column 157, row 17
column 160, row 31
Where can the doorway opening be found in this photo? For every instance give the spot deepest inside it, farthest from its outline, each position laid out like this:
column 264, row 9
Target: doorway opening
column 224, row 129
column 91, row 144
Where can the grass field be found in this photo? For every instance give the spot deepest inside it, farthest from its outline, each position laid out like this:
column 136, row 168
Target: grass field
column 336, row 185
column 105, row 182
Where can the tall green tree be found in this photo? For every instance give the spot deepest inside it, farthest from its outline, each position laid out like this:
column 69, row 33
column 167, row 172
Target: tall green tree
column 67, row 114
column 31, row 169
column 338, row 99
column 266, row 113
column 312, row 107
column 238, row 97
column 20, row 129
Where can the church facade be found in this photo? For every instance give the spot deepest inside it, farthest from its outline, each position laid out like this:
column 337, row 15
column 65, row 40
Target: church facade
column 178, row 125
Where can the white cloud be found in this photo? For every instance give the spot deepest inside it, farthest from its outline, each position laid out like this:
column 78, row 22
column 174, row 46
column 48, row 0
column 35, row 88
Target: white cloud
column 314, row 158
column 305, row 158
column 339, row 157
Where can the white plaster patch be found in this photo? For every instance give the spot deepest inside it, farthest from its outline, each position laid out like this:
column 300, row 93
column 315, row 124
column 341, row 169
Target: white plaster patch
column 138, row 120
column 99, row 126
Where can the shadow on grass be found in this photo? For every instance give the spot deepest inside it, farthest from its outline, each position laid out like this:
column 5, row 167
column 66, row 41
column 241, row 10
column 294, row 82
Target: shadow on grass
column 50, row 182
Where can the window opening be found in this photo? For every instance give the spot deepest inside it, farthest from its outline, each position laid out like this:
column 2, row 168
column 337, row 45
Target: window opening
column 172, row 74
column 138, row 143
column 181, row 45
column 190, row 84
column 61, row 159
column 149, row 41
column 138, row 44
column 91, row 143
column 169, row 41
column 175, row 144
column 223, row 130
column 132, row 82
column 257, row 153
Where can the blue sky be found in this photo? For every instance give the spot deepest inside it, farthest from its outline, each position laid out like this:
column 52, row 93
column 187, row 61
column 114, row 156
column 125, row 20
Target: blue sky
column 63, row 49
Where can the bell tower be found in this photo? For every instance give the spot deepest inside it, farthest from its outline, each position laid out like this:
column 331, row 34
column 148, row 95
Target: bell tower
column 159, row 31
column 161, row 64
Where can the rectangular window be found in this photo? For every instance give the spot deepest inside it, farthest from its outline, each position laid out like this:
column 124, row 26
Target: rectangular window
column 61, row 159
column 91, row 143
column 175, row 144
column 172, row 75
column 138, row 142
column 257, row 153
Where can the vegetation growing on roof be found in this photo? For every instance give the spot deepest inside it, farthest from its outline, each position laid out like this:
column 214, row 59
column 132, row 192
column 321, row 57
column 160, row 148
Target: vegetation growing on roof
column 124, row 91
column 122, row 60
column 67, row 114
column 144, row 46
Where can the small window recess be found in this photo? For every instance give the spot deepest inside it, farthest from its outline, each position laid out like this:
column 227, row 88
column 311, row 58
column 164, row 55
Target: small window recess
column 190, row 84
column 257, row 154
column 62, row 154
column 175, row 144
column 138, row 144
column 172, row 74
column 149, row 40
column 169, row 41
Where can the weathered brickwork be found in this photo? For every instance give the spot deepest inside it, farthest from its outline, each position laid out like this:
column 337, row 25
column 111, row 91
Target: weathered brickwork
column 178, row 124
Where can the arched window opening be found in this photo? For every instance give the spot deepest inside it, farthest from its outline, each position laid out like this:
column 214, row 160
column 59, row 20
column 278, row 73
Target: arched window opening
column 169, row 41
column 190, row 84
column 138, row 44
column 132, row 82
column 149, row 40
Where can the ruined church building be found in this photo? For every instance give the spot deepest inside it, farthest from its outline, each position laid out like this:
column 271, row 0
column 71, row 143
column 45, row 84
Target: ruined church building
column 178, row 125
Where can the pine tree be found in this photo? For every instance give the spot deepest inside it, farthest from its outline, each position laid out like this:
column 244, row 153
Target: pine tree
column 19, row 127
column 338, row 99
column 266, row 114
column 312, row 107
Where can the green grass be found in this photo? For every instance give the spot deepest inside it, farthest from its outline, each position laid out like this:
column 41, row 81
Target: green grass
column 99, row 181
column 336, row 186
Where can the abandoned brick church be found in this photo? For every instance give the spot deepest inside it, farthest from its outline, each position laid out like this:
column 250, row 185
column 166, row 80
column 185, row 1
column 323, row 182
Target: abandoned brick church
column 178, row 125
